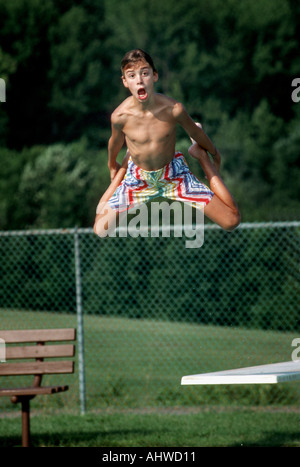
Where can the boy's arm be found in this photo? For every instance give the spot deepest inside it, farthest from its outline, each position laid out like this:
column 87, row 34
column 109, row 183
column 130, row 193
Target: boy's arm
column 115, row 145
column 196, row 133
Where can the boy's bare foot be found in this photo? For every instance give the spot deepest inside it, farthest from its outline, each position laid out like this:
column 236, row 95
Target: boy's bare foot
column 201, row 155
column 197, row 154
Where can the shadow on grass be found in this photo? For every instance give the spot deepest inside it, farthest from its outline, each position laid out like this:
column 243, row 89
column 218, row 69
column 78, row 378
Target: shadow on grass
column 273, row 439
column 127, row 438
column 77, row 439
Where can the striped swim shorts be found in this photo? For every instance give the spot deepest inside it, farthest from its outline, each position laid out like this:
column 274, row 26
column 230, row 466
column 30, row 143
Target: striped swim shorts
column 174, row 181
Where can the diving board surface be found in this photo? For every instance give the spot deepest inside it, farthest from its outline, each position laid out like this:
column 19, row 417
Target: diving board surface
column 272, row 373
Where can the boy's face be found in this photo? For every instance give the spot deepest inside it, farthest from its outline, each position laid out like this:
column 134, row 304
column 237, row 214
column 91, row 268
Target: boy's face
column 139, row 78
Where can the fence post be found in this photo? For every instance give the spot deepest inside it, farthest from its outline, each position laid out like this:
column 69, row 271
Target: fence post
column 80, row 331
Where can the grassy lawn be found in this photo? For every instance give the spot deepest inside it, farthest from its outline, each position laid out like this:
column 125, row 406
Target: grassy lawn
column 134, row 396
column 139, row 363
column 206, row 429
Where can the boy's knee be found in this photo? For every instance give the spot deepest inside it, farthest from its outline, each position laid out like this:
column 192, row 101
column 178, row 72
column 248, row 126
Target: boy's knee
column 95, row 228
column 105, row 224
column 99, row 228
column 101, row 231
column 233, row 221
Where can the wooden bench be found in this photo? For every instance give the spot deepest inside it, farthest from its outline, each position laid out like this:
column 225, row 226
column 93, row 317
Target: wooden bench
column 36, row 365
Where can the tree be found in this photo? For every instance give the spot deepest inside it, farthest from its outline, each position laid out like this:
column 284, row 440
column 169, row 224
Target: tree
column 55, row 189
column 79, row 74
column 11, row 168
column 285, row 175
column 24, row 41
column 7, row 68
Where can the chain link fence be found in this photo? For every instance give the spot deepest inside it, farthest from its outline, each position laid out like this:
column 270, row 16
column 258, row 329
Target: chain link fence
column 149, row 311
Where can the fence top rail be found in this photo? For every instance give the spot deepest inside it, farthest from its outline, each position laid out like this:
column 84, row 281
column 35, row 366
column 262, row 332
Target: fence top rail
column 88, row 230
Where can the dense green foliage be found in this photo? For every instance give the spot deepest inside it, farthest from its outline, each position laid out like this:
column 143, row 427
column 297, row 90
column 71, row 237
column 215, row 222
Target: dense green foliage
column 231, row 63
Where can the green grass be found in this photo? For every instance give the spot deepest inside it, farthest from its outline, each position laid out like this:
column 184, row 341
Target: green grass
column 134, row 396
column 207, row 429
column 139, row 363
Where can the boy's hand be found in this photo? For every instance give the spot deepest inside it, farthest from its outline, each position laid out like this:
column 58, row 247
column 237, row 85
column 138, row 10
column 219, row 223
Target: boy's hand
column 116, row 167
column 216, row 156
column 113, row 170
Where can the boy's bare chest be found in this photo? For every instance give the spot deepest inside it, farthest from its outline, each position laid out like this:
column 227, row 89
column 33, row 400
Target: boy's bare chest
column 149, row 128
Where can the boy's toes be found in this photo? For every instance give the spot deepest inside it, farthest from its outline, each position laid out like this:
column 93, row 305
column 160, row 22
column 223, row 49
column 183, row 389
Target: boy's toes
column 192, row 149
column 196, row 151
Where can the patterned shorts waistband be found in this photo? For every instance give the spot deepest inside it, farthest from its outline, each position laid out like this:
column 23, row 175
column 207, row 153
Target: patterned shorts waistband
column 150, row 175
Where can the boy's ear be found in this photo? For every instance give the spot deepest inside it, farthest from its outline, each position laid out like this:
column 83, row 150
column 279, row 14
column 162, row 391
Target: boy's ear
column 124, row 81
column 155, row 76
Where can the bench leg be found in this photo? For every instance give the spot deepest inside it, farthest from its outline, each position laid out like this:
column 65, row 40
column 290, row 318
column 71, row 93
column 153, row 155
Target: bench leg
column 25, row 422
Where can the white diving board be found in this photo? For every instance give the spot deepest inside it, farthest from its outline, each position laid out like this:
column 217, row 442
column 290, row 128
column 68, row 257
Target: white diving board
column 262, row 374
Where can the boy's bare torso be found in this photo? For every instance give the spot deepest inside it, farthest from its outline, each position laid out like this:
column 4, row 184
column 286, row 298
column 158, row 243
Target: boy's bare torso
column 149, row 131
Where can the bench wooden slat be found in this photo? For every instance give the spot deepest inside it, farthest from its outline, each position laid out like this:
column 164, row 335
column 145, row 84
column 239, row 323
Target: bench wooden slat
column 38, row 335
column 36, row 368
column 40, row 351
column 32, row 391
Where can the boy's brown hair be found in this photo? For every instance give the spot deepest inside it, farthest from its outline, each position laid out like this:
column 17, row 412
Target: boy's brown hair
column 134, row 56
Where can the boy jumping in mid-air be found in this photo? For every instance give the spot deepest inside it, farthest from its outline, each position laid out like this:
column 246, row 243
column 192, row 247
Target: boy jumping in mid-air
column 146, row 121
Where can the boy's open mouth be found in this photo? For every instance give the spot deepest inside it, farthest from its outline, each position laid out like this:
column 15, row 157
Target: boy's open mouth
column 142, row 94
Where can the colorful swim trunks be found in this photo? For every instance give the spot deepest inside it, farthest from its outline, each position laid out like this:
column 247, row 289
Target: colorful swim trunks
column 174, row 181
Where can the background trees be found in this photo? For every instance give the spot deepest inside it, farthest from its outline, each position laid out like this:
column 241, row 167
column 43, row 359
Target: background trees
column 231, row 64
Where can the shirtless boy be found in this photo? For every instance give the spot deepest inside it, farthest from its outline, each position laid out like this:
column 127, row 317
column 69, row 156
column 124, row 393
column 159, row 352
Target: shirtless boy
column 146, row 122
